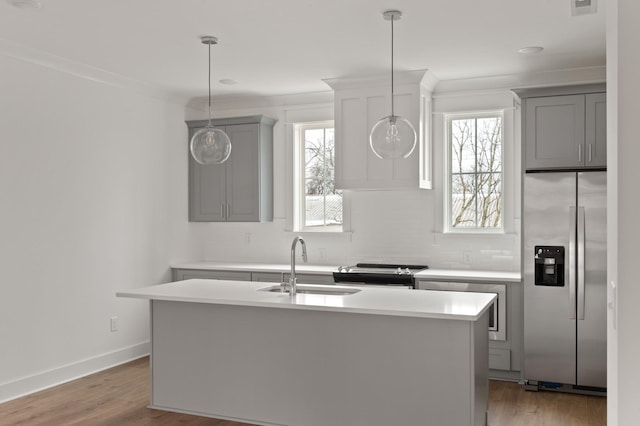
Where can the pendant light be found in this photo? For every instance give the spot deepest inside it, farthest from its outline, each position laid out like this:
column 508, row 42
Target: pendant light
column 210, row 145
column 392, row 136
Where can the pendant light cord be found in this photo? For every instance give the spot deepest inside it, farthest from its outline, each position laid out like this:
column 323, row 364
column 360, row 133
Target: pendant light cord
column 392, row 92
column 209, row 84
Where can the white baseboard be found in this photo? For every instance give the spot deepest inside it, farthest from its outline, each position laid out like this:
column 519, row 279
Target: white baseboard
column 66, row 373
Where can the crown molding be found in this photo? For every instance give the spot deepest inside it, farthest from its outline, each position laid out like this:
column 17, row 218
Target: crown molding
column 501, row 83
column 87, row 72
column 301, row 100
column 422, row 77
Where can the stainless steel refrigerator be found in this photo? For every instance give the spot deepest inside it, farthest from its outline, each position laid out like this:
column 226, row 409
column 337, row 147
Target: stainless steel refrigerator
column 564, row 272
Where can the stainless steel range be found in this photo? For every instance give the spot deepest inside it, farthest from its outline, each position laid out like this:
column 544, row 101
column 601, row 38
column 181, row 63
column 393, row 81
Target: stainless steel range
column 378, row 274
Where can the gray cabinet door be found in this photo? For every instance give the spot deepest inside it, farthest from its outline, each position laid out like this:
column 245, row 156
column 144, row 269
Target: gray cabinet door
column 207, row 190
column 596, row 130
column 242, row 174
column 554, row 132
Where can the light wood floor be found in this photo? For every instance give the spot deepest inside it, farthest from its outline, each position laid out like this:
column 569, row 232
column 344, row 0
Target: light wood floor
column 119, row 396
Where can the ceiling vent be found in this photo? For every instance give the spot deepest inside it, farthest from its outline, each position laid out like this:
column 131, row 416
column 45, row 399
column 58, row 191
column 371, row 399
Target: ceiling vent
column 582, row 7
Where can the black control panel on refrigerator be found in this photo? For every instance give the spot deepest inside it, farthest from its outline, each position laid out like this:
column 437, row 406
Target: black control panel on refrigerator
column 549, row 265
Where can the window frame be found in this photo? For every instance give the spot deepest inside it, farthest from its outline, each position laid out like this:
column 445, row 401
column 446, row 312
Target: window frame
column 299, row 192
column 447, row 197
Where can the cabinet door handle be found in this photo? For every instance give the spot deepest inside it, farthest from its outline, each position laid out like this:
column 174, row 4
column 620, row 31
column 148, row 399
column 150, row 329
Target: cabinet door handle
column 222, row 210
column 590, row 153
column 579, row 153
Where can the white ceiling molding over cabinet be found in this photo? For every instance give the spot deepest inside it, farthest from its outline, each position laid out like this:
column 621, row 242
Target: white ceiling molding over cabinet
column 359, row 103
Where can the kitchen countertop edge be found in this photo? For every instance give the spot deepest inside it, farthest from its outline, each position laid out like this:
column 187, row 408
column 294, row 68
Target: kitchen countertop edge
column 375, row 301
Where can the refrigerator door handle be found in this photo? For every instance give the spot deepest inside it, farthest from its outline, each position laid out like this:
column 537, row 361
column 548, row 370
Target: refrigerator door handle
column 572, row 262
column 581, row 263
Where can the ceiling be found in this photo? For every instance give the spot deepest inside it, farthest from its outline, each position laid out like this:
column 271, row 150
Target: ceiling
column 276, row 47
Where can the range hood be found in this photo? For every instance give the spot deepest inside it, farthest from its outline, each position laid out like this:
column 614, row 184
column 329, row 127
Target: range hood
column 359, row 102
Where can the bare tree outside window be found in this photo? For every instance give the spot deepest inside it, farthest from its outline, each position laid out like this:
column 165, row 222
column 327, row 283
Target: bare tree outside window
column 475, row 185
column 322, row 202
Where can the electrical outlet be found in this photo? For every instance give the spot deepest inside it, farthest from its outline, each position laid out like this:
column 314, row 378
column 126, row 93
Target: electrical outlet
column 466, row 257
column 114, row 324
column 583, row 7
column 247, row 237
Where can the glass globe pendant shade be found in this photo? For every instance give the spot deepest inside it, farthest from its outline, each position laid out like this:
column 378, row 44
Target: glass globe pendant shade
column 392, row 137
column 210, row 146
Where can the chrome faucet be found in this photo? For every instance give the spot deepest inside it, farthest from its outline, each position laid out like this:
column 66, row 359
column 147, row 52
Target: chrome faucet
column 292, row 278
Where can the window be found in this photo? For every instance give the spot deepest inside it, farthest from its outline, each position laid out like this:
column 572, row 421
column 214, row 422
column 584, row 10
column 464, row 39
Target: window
column 318, row 203
column 474, row 173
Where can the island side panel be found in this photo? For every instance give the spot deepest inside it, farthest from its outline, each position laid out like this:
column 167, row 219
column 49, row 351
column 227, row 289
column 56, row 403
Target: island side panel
column 480, row 354
column 311, row 368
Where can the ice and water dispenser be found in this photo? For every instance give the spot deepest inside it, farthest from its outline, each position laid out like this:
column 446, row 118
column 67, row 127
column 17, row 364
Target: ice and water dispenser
column 549, row 265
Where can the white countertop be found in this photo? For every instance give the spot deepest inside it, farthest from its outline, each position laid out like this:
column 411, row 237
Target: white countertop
column 377, row 301
column 428, row 274
column 468, row 275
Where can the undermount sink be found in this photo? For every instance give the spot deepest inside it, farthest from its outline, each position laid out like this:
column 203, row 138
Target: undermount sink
column 326, row 290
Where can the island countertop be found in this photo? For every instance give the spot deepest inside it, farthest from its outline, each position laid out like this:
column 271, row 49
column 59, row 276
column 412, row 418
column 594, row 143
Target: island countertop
column 467, row 306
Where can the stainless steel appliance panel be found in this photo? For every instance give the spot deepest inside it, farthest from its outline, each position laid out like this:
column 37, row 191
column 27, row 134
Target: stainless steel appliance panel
column 497, row 312
column 549, row 311
column 591, row 304
column 378, row 274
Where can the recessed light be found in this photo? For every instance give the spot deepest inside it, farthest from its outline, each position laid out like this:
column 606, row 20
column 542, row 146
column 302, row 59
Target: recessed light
column 228, row 81
column 25, row 4
column 530, row 50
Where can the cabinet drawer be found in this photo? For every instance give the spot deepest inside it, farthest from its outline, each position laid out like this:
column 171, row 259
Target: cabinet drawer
column 311, row 278
column 267, row 277
column 187, row 274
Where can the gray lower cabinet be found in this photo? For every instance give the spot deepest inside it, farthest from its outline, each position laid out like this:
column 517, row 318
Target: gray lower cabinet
column 241, row 189
column 270, row 277
column 267, row 277
column 564, row 128
column 306, row 278
column 187, row 274
column 180, row 274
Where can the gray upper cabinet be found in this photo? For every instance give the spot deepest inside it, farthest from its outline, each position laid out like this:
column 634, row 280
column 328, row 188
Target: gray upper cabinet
column 241, row 189
column 554, row 131
column 564, row 128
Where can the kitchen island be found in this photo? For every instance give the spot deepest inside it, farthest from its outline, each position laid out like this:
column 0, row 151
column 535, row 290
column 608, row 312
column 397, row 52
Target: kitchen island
column 228, row 349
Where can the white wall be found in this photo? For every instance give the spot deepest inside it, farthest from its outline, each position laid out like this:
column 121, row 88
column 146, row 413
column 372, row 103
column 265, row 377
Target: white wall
column 612, row 210
column 623, row 97
column 93, row 187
